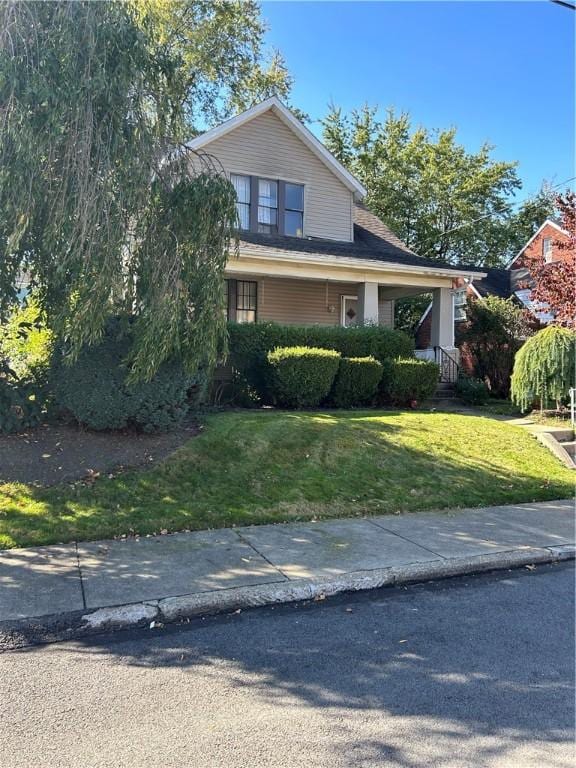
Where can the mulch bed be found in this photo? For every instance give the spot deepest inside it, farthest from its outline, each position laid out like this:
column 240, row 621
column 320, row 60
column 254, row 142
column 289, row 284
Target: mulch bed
column 52, row 454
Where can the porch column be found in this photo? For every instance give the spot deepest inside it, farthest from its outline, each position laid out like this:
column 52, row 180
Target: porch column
column 368, row 303
column 442, row 332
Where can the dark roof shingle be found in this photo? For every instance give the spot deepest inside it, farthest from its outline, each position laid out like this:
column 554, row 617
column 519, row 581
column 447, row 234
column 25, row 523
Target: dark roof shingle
column 372, row 240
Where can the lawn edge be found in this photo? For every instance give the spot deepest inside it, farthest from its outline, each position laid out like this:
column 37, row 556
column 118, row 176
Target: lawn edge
column 154, row 614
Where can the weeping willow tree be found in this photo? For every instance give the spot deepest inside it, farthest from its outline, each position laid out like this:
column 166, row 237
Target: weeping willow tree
column 102, row 207
column 544, row 368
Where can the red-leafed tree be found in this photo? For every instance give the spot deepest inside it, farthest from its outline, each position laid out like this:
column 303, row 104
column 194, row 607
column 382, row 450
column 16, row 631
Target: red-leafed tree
column 554, row 284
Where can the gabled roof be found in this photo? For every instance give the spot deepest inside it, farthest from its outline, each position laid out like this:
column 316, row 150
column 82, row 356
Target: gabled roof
column 285, row 115
column 548, row 222
column 373, row 242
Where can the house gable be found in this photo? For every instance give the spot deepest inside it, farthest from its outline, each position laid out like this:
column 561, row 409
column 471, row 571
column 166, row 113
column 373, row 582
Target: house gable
column 269, row 146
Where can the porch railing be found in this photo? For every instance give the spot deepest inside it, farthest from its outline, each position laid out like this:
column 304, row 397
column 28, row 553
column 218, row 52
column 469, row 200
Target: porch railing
column 449, row 368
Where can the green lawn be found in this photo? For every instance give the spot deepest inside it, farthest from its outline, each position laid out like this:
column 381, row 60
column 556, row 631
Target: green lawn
column 257, row 467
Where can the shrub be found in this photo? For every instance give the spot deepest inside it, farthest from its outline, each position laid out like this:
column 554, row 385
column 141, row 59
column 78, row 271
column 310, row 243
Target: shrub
column 492, row 335
column 544, row 368
column 356, row 381
column 408, row 381
column 301, row 376
column 22, row 402
column 250, row 344
column 472, row 391
column 93, row 388
column 25, row 341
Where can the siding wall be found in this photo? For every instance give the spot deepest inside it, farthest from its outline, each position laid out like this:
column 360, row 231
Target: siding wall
column 266, row 147
column 307, row 302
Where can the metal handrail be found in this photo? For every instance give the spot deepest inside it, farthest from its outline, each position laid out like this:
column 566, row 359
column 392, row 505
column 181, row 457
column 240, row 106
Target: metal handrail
column 449, row 368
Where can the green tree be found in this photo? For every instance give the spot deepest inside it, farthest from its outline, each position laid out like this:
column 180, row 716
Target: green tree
column 544, row 368
column 494, row 331
column 408, row 312
column 442, row 201
column 100, row 203
column 218, row 48
column 531, row 214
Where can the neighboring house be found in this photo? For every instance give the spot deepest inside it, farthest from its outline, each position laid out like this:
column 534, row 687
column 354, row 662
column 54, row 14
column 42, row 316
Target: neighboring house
column 511, row 281
column 544, row 245
column 310, row 252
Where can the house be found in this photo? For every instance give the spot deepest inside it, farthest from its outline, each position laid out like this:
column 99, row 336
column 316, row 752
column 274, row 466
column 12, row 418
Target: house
column 510, row 281
column 310, row 252
column 545, row 245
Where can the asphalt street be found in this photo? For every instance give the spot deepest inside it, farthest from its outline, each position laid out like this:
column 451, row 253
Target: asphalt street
column 477, row 671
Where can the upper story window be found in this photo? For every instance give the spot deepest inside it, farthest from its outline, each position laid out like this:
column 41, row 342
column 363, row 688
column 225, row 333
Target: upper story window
column 294, row 213
column 242, row 186
column 547, row 249
column 269, row 206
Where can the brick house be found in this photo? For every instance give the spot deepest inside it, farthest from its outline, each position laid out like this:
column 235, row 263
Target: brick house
column 510, row 281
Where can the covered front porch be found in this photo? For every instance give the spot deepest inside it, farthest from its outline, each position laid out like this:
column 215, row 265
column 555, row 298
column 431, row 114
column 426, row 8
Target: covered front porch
column 339, row 291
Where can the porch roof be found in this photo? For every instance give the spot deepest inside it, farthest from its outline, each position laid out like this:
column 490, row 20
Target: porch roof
column 373, row 242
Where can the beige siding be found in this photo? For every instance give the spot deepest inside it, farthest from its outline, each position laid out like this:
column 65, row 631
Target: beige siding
column 307, row 302
column 268, row 148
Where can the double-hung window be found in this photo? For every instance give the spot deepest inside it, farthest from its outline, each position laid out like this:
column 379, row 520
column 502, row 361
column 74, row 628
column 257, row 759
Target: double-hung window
column 269, row 206
column 547, row 249
column 460, row 304
column 294, row 210
column 241, row 300
column 242, row 186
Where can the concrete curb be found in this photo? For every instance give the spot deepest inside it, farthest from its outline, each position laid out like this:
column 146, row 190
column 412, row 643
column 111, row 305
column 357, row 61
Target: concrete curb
column 156, row 613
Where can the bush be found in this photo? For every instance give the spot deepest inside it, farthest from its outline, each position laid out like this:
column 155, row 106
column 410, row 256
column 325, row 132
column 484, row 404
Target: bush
column 301, row 377
column 409, row 381
column 544, row 368
column 250, row 343
column 22, row 403
column 472, row 391
column 25, row 342
column 356, row 381
column 493, row 333
column 94, row 390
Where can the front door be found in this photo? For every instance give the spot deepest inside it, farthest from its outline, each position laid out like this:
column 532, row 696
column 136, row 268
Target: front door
column 349, row 310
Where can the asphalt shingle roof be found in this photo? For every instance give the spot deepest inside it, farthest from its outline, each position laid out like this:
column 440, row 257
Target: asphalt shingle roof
column 372, row 240
column 496, row 283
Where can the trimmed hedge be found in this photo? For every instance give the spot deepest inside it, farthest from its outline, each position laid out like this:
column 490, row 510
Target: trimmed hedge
column 301, row 377
column 94, row 391
column 409, row 381
column 356, row 382
column 249, row 344
column 472, row 391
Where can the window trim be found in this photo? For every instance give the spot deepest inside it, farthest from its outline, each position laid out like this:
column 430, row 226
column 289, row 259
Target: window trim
column 278, row 208
column 286, row 210
column 233, row 309
column 249, row 203
column 281, row 210
column 547, row 254
column 456, row 305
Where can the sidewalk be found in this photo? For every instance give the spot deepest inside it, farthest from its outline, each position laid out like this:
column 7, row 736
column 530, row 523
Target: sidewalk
column 164, row 578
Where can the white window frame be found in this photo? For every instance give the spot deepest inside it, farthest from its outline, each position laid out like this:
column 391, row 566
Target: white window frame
column 547, row 249
column 457, row 293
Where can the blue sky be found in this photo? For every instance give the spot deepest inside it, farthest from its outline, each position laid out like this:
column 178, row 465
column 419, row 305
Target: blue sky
column 501, row 72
